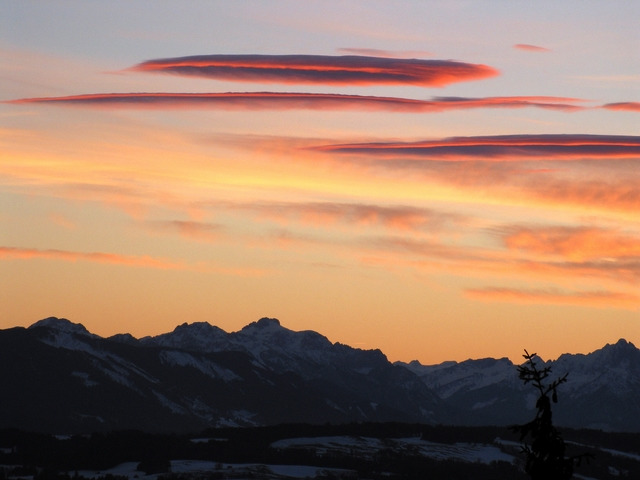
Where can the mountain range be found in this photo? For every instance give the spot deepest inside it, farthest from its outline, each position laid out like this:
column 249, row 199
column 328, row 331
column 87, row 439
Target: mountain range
column 58, row 377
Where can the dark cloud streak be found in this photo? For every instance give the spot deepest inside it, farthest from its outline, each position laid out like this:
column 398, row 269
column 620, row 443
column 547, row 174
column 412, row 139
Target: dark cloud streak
column 316, row 101
column 499, row 148
column 626, row 106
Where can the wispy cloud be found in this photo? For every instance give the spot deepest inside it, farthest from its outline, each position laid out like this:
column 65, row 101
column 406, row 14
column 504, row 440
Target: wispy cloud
column 581, row 251
column 618, row 271
column 143, row 261
column 376, row 52
column 202, row 231
column 574, row 243
column 314, row 101
column 500, row 148
column 622, row 195
column 599, row 298
column 555, row 254
column 626, row 106
column 632, row 79
column 97, row 257
column 292, row 218
column 333, row 70
column 530, row 48
column 436, row 256
column 392, row 217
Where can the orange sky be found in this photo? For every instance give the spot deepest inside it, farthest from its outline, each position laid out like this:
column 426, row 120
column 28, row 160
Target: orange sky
column 437, row 181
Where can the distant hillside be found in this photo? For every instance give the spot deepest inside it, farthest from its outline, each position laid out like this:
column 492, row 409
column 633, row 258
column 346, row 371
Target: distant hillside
column 602, row 389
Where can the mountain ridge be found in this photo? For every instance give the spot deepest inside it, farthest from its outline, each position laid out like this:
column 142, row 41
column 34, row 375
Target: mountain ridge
column 199, row 376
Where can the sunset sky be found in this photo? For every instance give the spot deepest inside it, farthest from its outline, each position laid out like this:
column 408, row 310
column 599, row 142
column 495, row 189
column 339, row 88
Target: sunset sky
column 440, row 180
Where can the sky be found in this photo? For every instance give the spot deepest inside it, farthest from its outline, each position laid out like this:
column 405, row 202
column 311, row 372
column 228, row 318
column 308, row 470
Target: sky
column 439, row 180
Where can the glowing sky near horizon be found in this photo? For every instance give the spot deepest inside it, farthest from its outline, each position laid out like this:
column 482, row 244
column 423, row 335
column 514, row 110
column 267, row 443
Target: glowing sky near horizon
column 440, row 180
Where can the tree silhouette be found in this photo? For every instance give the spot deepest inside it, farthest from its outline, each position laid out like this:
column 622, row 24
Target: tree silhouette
column 543, row 445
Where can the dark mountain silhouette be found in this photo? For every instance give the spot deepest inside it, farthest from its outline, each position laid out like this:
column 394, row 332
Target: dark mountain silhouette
column 58, row 377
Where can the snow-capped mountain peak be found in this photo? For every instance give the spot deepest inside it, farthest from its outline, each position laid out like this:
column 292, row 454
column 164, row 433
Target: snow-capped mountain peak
column 620, row 350
column 264, row 323
column 62, row 325
column 62, row 333
column 197, row 336
column 272, row 344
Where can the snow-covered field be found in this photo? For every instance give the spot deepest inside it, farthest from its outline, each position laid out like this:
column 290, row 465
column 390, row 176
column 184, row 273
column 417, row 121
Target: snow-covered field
column 365, row 447
column 235, row 470
column 326, row 449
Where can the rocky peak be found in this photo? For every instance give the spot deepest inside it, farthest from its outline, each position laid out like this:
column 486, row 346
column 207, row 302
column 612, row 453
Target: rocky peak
column 61, row 325
column 264, row 323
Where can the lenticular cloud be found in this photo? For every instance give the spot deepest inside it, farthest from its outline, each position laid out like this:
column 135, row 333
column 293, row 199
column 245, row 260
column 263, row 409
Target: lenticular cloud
column 628, row 106
column 500, row 148
column 321, row 69
column 530, row 48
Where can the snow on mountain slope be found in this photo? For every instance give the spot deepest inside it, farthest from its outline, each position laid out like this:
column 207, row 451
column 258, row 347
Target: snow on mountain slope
column 602, row 389
column 451, row 377
column 266, row 336
column 63, row 333
column 614, row 367
column 271, row 345
column 209, row 368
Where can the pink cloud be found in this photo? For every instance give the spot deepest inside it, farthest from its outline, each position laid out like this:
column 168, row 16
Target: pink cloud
column 530, row 48
column 622, row 195
column 97, row 257
column 190, row 229
column 144, row 261
column 375, row 52
column 600, row 298
column 624, row 106
column 574, row 243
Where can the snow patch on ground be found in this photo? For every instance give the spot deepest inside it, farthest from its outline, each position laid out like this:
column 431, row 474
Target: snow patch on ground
column 127, row 469
column 251, row 470
column 618, row 453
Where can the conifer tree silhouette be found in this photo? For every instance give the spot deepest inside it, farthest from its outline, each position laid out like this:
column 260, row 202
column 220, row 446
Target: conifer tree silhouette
column 543, row 445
